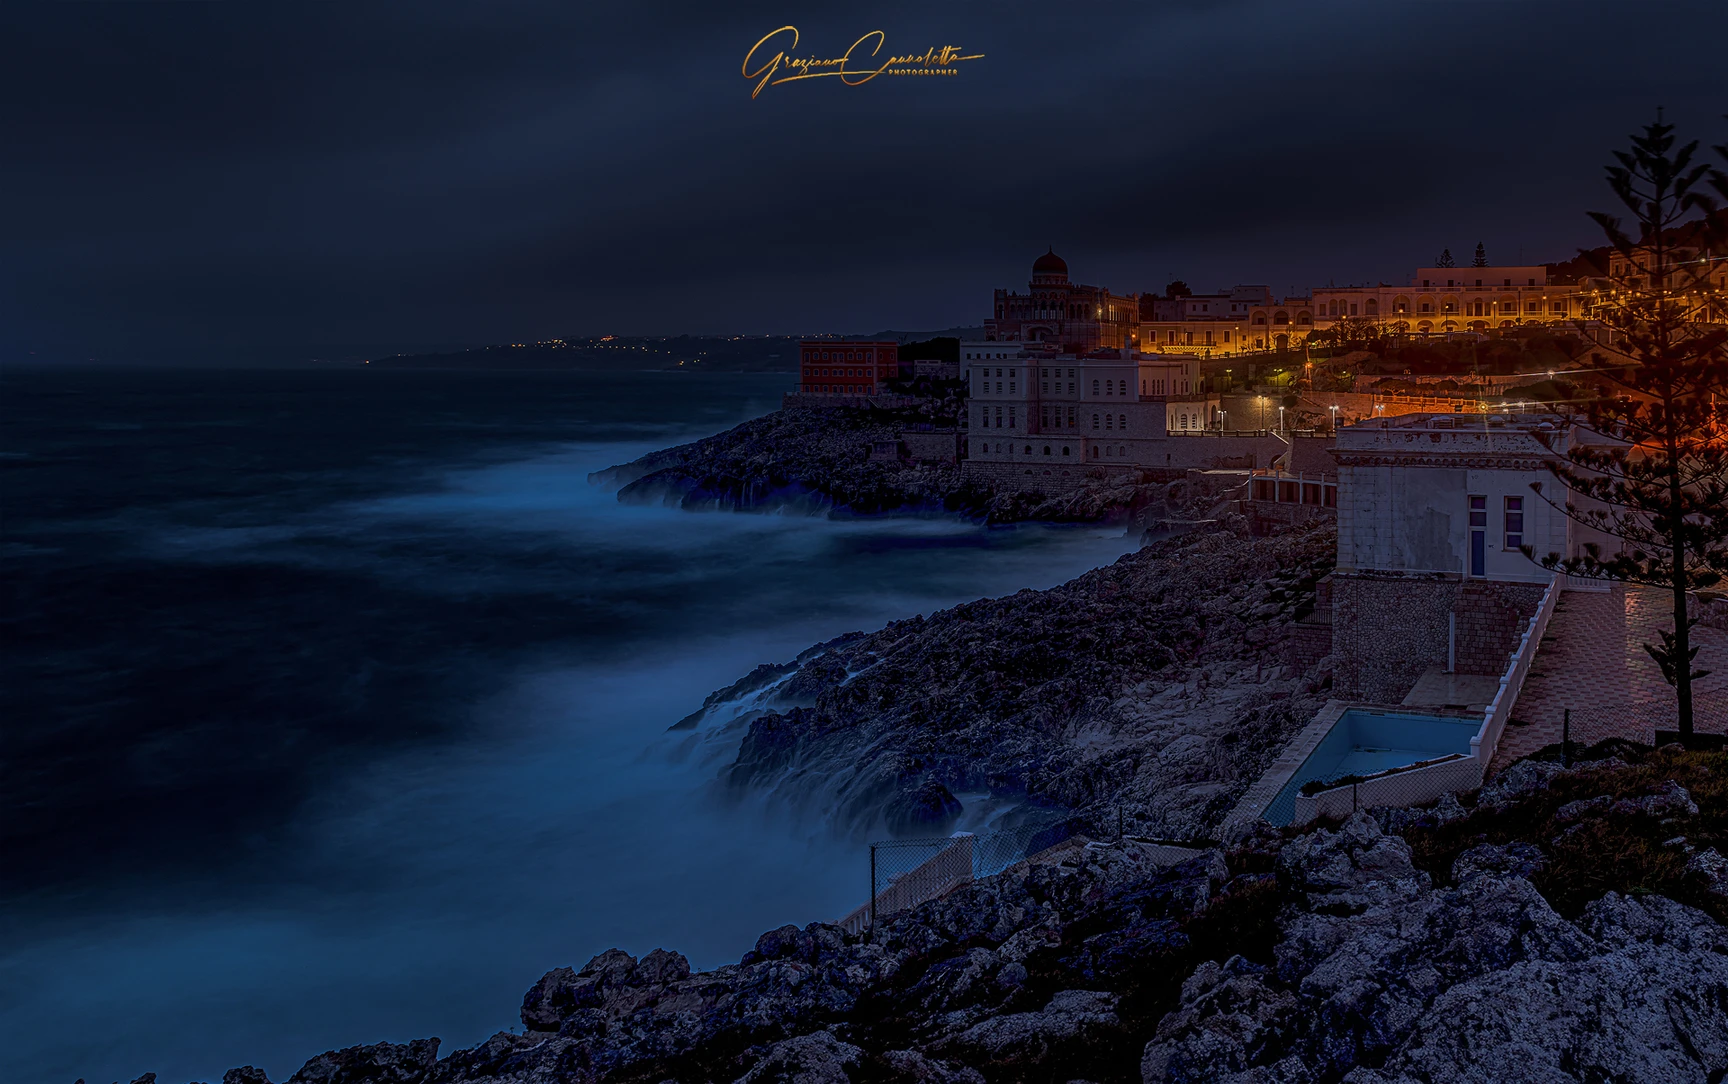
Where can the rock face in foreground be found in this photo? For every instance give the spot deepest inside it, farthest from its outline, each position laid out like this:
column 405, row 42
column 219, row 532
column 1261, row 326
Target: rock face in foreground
column 1340, row 954
column 820, row 459
column 1153, row 691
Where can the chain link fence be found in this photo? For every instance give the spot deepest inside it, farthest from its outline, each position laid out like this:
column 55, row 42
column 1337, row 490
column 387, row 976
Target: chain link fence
column 907, row 872
column 1647, row 722
column 1340, row 794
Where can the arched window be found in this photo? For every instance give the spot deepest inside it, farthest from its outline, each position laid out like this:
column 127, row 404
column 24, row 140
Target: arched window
column 1122, row 421
column 1280, row 318
column 1065, row 449
column 1109, row 422
column 1094, row 451
column 1094, row 387
column 1028, row 449
column 1046, row 449
column 1372, row 308
column 1094, row 421
column 1304, row 318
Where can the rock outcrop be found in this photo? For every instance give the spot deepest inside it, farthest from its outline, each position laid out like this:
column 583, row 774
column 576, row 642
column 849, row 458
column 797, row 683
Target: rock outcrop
column 821, row 460
column 1150, row 692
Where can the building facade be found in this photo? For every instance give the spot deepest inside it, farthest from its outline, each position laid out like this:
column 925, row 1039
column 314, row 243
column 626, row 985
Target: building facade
column 1447, row 299
column 1433, row 513
column 1072, row 317
column 847, row 367
column 1230, row 322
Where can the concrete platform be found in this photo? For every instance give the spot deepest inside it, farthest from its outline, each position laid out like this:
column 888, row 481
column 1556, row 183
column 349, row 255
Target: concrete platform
column 1456, row 692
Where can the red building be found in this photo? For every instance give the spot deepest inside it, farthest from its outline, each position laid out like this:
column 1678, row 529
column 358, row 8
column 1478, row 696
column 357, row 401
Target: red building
column 1053, row 310
column 847, row 367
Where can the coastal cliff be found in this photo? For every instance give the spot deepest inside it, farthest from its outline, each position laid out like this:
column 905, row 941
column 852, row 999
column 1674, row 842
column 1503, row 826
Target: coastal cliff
column 812, row 459
column 1149, row 693
column 1559, row 925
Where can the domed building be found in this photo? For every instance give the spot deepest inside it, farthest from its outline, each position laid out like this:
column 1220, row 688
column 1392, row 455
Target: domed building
column 1074, row 317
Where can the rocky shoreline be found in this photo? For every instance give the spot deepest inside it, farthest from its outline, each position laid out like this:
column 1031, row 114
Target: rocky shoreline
column 1560, row 925
column 1150, row 693
column 819, row 460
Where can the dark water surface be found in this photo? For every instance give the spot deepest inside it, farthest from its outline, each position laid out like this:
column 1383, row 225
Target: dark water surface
column 334, row 701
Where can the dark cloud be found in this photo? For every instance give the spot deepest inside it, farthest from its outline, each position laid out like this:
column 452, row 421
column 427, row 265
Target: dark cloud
column 246, row 181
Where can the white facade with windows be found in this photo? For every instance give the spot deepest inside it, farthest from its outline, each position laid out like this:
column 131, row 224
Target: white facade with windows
column 1063, row 410
column 1452, row 495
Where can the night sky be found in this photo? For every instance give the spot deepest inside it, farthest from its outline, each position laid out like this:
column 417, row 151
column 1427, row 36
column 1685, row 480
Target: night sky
column 254, row 182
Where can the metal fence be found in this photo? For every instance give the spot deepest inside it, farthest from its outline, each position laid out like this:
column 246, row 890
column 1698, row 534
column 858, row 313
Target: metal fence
column 1646, row 721
column 907, row 872
column 1338, row 795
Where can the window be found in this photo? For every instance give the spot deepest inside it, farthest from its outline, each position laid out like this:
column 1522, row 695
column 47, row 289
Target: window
column 1478, row 535
column 1121, row 421
column 1012, row 422
column 1064, row 449
column 1094, row 421
column 1514, row 522
column 1109, row 421
column 1094, row 387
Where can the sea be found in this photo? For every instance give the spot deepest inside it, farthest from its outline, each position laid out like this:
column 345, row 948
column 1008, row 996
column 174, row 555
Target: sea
column 335, row 701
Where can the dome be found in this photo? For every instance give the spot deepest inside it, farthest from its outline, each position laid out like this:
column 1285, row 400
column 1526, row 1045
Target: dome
column 1050, row 264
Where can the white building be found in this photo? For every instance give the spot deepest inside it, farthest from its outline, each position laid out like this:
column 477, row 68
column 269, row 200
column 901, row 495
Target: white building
column 1049, row 410
column 1433, row 513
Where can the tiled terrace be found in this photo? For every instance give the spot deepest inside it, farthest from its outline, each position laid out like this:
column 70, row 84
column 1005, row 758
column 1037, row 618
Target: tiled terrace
column 1593, row 661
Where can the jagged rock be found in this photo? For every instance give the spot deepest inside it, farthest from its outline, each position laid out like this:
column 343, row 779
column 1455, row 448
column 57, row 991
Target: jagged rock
column 381, row 1063
column 1647, row 1011
column 1712, row 868
column 1511, row 860
column 1071, row 1020
column 926, row 806
column 1348, row 963
column 1522, row 778
column 1139, row 693
column 246, row 1074
column 808, row 1059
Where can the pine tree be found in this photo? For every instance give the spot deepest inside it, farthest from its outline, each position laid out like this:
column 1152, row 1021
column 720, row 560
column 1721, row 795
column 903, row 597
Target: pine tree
column 1652, row 469
column 1481, row 259
column 1444, row 259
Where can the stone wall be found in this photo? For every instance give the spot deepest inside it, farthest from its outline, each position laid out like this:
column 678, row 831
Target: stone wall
column 834, row 402
column 1491, row 619
column 935, row 446
column 1388, row 629
column 1042, row 479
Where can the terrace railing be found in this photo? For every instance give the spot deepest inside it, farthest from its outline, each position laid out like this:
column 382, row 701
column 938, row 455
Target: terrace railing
column 1494, row 719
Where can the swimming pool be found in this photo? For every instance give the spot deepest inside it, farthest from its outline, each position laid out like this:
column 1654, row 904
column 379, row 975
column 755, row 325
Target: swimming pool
column 1364, row 741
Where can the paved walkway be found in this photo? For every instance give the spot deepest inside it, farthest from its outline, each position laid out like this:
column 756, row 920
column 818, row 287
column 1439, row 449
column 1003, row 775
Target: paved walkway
column 1593, row 661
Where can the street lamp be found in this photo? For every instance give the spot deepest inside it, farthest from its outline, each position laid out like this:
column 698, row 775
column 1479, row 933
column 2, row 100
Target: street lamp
column 1280, row 421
